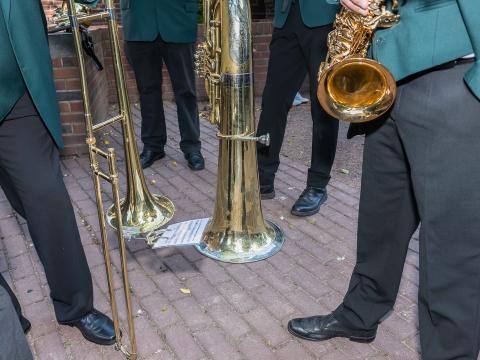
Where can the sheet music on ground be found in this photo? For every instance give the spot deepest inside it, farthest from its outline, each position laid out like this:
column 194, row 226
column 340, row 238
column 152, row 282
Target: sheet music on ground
column 180, row 234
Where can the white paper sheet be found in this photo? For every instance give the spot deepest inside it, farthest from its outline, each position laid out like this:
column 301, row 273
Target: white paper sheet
column 181, row 234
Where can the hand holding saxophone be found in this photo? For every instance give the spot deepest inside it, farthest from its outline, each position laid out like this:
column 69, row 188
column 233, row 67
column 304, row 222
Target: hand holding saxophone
column 359, row 6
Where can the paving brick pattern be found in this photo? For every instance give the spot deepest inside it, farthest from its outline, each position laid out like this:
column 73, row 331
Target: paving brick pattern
column 233, row 311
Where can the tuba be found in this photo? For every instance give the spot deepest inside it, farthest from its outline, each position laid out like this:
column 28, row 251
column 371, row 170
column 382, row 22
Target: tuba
column 350, row 86
column 237, row 232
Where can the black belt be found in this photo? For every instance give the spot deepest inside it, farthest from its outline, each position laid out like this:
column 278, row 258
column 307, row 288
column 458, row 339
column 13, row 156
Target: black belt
column 452, row 64
column 444, row 66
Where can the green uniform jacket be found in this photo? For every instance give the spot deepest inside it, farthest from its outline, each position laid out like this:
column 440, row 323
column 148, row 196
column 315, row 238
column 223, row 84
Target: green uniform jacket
column 430, row 33
column 314, row 12
column 174, row 20
column 25, row 62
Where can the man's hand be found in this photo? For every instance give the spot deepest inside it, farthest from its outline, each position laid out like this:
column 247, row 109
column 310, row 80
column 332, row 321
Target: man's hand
column 358, row 6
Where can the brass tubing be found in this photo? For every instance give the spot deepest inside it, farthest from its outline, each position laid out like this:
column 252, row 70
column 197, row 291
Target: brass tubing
column 103, row 175
column 81, row 65
column 113, row 180
column 106, row 255
column 237, row 232
column 141, row 211
column 89, row 18
column 107, row 122
column 112, row 166
column 99, row 152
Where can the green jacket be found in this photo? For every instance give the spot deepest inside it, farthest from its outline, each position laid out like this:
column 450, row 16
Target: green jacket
column 25, row 62
column 314, row 12
column 430, row 33
column 174, row 20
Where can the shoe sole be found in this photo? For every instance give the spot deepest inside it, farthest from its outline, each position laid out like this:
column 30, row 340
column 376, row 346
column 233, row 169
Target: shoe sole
column 311, row 212
column 364, row 340
column 154, row 159
column 268, row 196
column 196, row 169
column 93, row 340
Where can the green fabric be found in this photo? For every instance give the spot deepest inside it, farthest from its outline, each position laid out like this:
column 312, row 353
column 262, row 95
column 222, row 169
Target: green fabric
column 431, row 33
column 174, row 20
column 11, row 81
column 23, row 34
column 470, row 10
column 89, row 3
column 314, row 12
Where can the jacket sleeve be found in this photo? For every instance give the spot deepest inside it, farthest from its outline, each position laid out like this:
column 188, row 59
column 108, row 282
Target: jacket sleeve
column 89, row 3
column 470, row 10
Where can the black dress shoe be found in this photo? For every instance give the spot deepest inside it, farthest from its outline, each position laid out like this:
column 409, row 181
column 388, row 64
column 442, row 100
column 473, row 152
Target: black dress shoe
column 26, row 325
column 267, row 192
column 148, row 157
column 319, row 328
column 97, row 328
column 310, row 201
column 195, row 160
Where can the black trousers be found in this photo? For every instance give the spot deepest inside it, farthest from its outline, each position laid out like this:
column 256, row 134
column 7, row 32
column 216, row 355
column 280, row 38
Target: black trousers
column 13, row 343
column 295, row 50
column 32, row 180
column 421, row 164
column 146, row 60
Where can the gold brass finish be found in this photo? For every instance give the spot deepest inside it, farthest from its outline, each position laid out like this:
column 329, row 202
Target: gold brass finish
column 141, row 211
column 60, row 19
column 350, row 86
column 112, row 177
column 237, row 232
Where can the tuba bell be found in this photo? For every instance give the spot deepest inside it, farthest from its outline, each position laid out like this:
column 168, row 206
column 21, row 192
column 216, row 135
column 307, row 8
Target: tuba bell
column 350, row 86
column 237, row 233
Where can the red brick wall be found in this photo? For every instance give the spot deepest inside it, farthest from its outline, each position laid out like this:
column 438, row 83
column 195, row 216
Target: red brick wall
column 69, row 93
column 261, row 31
column 50, row 5
column 102, row 84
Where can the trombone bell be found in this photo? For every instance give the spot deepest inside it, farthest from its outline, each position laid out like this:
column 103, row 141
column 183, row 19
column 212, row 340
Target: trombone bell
column 142, row 217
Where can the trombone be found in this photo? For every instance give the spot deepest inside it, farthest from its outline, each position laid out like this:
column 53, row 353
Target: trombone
column 141, row 211
column 111, row 177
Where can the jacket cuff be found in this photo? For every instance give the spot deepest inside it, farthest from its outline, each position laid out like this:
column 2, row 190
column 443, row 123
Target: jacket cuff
column 333, row 2
column 89, row 3
column 472, row 79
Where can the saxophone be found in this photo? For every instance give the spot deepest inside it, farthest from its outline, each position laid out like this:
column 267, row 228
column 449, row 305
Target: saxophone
column 350, row 86
column 237, row 231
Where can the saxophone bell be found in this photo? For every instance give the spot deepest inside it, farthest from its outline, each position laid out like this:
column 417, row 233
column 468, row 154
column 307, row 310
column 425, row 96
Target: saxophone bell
column 352, row 87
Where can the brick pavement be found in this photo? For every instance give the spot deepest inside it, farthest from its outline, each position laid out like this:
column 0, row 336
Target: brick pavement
column 233, row 311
